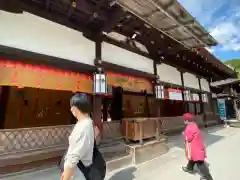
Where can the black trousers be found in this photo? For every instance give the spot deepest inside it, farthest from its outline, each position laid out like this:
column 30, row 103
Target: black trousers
column 202, row 168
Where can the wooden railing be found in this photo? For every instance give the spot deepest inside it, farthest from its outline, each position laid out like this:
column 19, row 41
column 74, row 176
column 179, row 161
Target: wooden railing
column 36, row 138
column 171, row 123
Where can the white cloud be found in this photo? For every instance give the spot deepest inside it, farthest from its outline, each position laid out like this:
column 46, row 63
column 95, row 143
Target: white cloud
column 203, row 10
column 222, row 18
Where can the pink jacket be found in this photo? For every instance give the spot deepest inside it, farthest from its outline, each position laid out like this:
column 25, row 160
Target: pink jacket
column 193, row 136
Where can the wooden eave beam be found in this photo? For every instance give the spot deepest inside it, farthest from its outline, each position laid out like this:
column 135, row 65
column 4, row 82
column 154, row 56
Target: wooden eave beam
column 190, row 38
column 178, row 26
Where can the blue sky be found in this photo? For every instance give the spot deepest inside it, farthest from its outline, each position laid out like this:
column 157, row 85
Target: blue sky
column 222, row 19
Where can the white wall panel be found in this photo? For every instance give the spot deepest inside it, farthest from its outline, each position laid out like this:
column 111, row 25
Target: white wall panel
column 32, row 33
column 169, row 74
column 125, row 58
column 190, row 81
column 205, row 85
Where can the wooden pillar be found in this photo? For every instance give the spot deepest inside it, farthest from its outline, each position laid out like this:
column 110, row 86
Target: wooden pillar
column 97, row 113
column 201, row 101
column 185, row 106
column 211, row 101
column 234, row 102
column 4, row 96
column 157, row 111
column 97, row 99
column 147, row 109
column 156, row 104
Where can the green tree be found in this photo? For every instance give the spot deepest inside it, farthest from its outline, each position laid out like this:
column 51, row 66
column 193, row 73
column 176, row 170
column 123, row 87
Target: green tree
column 235, row 64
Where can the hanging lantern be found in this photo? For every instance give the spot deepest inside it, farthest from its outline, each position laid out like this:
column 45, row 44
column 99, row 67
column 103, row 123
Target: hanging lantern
column 187, row 95
column 99, row 83
column 74, row 3
column 159, row 91
column 204, row 97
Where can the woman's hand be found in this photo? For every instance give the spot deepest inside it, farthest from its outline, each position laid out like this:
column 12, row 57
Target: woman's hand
column 67, row 174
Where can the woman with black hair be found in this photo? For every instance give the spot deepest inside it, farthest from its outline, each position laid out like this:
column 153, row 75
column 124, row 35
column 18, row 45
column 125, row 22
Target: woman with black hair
column 81, row 153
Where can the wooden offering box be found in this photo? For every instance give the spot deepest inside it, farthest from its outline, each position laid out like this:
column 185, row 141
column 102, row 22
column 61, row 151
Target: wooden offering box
column 138, row 129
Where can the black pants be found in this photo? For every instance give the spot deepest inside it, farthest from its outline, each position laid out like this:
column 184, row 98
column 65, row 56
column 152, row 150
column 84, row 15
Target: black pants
column 202, row 168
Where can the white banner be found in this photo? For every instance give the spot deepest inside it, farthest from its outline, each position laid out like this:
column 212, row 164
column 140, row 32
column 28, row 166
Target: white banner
column 175, row 94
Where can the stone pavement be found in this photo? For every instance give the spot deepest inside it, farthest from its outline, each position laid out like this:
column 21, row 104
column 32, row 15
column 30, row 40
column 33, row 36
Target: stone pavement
column 223, row 147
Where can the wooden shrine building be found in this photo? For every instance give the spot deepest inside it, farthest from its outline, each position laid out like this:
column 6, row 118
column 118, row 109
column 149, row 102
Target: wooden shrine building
column 152, row 55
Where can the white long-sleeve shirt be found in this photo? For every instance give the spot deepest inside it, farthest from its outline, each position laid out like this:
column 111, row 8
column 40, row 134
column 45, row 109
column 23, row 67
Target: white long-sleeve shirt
column 81, row 142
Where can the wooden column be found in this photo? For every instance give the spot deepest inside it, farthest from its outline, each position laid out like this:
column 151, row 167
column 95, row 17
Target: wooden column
column 201, row 101
column 211, row 101
column 185, row 106
column 156, row 104
column 97, row 99
column 234, row 102
column 97, row 113
column 4, row 95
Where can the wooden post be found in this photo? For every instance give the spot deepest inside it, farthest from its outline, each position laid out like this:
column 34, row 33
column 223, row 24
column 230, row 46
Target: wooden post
column 4, row 96
column 157, row 129
column 97, row 99
column 202, row 103
column 141, row 132
column 156, row 104
column 234, row 103
column 185, row 106
column 97, row 113
column 211, row 101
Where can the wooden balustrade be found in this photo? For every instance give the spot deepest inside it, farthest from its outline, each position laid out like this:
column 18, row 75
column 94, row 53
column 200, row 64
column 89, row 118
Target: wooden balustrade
column 36, row 138
column 136, row 129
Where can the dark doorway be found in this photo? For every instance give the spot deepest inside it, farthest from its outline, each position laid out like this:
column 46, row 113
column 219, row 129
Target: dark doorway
column 230, row 111
column 117, row 104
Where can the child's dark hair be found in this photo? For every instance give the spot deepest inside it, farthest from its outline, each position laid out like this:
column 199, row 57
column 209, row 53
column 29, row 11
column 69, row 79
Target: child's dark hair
column 81, row 102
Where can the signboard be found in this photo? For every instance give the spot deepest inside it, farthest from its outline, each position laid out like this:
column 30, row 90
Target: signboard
column 175, row 94
column 222, row 109
column 131, row 83
column 43, row 77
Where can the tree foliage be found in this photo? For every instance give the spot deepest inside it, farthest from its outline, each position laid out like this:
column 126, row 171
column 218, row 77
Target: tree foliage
column 234, row 63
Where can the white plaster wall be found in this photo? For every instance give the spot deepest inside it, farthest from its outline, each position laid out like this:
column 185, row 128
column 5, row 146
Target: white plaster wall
column 125, row 58
column 205, row 85
column 169, row 74
column 32, row 33
column 190, row 81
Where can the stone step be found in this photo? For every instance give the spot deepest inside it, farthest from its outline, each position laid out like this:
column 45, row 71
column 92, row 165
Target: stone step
column 119, row 161
column 110, row 142
column 235, row 124
column 20, row 163
column 116, row 156
column 148, row 151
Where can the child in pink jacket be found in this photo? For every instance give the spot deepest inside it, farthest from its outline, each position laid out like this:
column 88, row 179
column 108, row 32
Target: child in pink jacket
column 195, row 150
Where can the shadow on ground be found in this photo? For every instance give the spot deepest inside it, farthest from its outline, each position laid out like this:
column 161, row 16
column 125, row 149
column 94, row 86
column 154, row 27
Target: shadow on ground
column 125, row 174
column 208, row 137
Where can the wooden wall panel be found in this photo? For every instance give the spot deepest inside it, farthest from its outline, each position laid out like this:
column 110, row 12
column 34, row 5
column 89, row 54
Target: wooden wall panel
column 31, row 107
